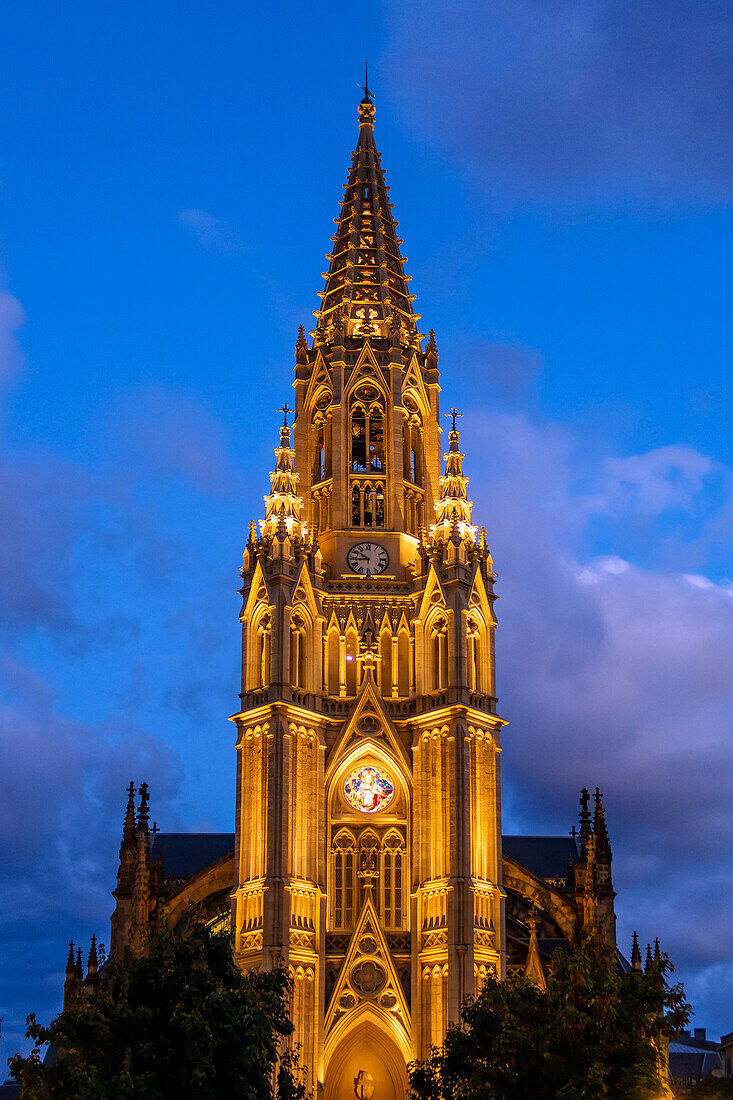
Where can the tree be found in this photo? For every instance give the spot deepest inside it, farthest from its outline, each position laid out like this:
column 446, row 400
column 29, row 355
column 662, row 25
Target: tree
column 593, row 1034
column 712, row 1088
column 177, row 1020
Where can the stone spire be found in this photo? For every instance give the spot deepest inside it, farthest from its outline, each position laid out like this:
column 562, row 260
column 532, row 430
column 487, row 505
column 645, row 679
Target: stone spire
column 92, row 979
column 128, row 827
column 282, row 506
column 71, row 981
column 635, row 955
column 453, row 506
column 366, row 291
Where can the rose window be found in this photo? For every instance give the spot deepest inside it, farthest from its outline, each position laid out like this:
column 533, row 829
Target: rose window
column 368, row 789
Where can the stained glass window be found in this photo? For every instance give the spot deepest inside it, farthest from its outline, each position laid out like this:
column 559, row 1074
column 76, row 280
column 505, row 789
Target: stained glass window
column 368, row 789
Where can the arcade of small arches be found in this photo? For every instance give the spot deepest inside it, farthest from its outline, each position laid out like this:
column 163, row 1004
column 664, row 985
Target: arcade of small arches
column 369, row 857
column 327, row 658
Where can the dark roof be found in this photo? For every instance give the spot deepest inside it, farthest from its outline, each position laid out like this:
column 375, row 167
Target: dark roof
column 544, row 856
column 10, row 1090
column 695, row 1066
column 185, row 854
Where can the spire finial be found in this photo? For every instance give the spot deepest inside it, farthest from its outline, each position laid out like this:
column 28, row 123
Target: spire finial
column 368, row 93
column 285, row 410
column 453, row 414
column 70, row 958
column 143, row 811
column 635, row 954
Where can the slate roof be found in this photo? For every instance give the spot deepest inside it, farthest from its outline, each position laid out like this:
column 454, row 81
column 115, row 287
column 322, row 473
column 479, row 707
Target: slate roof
column 544, row 856
column 693, row 1066
column 185, row 854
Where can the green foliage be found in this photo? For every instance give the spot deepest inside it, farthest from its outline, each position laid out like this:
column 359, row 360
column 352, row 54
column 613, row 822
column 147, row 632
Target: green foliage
column 179, row 1020
column 594, row 1034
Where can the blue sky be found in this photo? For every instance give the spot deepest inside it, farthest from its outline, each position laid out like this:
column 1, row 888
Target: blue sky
column 168, row 179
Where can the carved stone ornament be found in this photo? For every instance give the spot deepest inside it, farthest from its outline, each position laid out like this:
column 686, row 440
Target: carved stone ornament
column 368, row 978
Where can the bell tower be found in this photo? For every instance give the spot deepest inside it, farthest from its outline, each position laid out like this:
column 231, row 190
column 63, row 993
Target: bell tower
column 368, row 832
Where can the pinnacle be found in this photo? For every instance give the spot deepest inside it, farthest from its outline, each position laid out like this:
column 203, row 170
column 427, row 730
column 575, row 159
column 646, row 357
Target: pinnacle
column 600, row 830
column 143, row 811
column 585, row 820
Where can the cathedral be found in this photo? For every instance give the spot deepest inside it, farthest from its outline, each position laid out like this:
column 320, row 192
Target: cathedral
column 367, row 856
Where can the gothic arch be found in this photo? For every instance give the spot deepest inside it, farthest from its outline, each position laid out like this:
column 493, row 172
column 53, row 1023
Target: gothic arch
column 259, row 639
column 368, row 1040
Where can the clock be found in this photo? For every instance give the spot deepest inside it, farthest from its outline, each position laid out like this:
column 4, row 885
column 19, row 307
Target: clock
column 368, row 558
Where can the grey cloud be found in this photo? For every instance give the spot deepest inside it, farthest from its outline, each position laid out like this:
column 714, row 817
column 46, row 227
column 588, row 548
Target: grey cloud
column 601, row 96
column 616, row 676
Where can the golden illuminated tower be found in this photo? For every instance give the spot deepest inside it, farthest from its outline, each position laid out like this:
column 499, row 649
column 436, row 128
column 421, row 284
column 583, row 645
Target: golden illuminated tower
column 368, row 839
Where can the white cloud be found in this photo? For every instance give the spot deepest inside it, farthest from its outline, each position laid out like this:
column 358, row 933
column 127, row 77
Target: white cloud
column 209, row 231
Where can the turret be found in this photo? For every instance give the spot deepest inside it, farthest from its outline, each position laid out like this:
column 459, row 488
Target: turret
column 138, row 878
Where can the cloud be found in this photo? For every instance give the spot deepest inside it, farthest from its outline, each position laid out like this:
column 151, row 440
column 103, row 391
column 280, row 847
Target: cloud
column 211, row 232
column 171, row 434
column 11, row 318
column 508, row 371
column 614, row 675
column 650, row 483
column 600, row 96
column 59, row 859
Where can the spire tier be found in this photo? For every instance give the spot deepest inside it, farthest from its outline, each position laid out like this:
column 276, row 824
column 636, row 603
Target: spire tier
column 366, row 293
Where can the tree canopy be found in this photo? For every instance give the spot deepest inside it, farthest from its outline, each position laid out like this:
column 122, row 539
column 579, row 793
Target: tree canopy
column 179, row 1019
column 593, row 1034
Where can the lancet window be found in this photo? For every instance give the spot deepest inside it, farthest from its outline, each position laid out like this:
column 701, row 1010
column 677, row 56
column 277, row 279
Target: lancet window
column 393, row 862
column 439, row 654
column 344, row 875
column 367, row 432
column 321, row 437
column 414, row 511
column 298, row 651
column 352, row 665
column 475, row 663
column 367, row 504
column 412, row 443
column 259, row 664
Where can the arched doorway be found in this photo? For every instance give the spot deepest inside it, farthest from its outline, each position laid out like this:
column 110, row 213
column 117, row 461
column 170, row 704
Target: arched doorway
column 368, row 1050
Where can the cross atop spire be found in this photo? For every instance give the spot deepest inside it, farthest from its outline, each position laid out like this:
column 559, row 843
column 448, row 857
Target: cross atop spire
column 454, row 414
column 285, row 409
column 368, row 94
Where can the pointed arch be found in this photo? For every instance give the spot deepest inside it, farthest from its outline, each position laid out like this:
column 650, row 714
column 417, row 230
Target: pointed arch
column 352, row 665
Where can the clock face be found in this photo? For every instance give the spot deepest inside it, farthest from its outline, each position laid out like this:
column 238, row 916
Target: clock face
column 368, row 558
